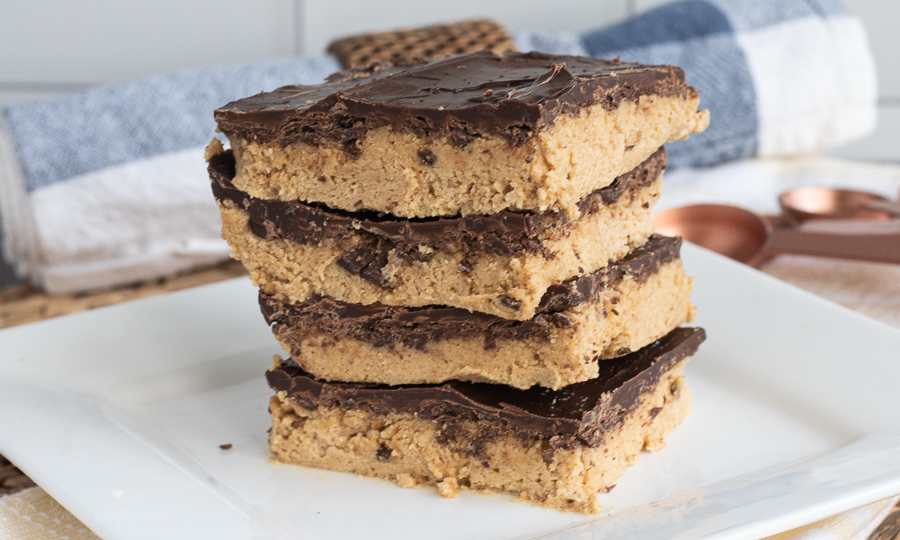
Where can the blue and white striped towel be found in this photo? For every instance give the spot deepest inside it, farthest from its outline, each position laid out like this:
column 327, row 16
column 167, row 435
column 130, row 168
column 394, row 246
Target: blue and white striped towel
column 108, row 186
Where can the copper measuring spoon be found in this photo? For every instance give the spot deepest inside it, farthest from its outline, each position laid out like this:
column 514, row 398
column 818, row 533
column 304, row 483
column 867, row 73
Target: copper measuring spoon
column 815, row 202
column 748, row 238
column 727, row 230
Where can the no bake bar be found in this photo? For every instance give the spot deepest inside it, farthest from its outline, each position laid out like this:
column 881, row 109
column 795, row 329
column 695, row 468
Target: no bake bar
column 554, row 448
column 500, row 264
column 598, row 316
column 471, row 134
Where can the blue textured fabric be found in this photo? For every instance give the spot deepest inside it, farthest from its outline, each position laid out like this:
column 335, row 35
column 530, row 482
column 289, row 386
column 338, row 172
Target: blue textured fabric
column 713, row 62
column 109, row 125
column 569, row 43
column 672, row 23
column 744, row 15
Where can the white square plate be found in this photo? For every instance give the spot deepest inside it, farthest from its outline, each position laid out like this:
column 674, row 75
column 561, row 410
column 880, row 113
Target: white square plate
column 118, row 413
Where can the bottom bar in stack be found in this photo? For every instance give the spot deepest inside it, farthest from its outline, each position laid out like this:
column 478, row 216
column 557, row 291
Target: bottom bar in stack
column 556, row 448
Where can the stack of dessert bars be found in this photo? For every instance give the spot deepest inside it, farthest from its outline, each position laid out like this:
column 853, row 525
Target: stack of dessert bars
column 458, row 257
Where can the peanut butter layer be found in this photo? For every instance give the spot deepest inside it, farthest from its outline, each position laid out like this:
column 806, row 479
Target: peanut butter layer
column 500, row 264
column 553, row 448
column 561, row 345
column 472, row 134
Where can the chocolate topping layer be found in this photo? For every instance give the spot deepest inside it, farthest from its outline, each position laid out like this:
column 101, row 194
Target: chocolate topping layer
column 579, row 414
column 383, row 325
column 512, row 95
column 504, row 233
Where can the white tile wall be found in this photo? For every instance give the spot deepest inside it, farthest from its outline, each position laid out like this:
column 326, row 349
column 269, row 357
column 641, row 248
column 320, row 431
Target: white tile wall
column 881, row 18
column 884, row 144
column 92, row 41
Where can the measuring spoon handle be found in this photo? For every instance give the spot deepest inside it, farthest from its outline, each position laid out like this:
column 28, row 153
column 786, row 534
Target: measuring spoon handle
column 890, row 207
column 882, row 245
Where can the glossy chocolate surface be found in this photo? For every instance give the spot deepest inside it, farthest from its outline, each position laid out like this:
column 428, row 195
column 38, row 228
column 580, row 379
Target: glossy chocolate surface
column 512, row 96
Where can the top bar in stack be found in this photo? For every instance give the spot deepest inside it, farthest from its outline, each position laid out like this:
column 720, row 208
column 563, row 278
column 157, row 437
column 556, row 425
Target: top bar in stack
column 472, row 134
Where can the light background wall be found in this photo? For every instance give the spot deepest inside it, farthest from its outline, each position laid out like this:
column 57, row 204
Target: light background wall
column 50, row 47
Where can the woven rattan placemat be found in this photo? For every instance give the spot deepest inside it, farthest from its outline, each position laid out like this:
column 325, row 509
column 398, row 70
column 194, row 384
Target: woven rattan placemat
column 422, row 43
